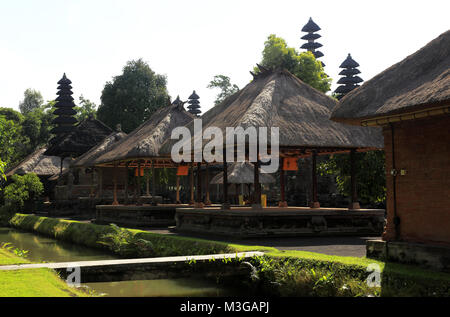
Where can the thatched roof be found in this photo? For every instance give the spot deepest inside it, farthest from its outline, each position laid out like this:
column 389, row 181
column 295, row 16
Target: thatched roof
column 242, row 173
column 88, row 158
column 279, row 99
column 145, row 141
column 86, row 135
column 420, row 81
column 40, row 164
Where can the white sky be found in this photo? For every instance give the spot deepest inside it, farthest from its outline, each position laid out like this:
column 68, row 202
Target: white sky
column 191, row 41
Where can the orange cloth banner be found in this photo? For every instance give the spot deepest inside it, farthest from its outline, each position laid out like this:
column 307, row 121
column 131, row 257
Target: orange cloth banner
column 136, row 172
column 183, row 170
column 290, row 164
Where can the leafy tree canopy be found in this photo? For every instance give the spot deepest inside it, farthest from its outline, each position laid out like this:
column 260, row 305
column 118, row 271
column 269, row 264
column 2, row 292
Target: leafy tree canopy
column 85, row 109
column 131, row 98
column 277, row 54
column 32, row 100
column 12, row 141
column 223, row 83
column 11, row 114
column 370, row 175
column 22, row 189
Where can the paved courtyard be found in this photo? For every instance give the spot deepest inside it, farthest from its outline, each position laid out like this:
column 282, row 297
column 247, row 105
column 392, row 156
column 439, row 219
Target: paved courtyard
column 343, row 246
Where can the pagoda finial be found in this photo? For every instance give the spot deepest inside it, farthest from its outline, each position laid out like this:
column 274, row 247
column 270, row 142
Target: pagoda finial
column 349, row 80
column 65, row 111
column 194, row 104
column 311, row 28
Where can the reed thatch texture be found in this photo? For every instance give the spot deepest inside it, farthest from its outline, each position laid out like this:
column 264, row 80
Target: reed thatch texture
column 279, row 99
column 86, row 135
column 242, row 173
column 145, row 141
column 419, row 81
column 88, row 158
column 40, row 164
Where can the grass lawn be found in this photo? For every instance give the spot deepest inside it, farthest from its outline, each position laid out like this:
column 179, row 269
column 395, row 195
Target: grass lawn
column 33, row 282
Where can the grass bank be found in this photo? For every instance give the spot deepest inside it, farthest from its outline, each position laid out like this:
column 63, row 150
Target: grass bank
column 299, row 273
column 33, row 282
column 90, row 235
column 278, row 273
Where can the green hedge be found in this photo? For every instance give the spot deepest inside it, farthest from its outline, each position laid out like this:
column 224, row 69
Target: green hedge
column 88, row 234
column 298, row 273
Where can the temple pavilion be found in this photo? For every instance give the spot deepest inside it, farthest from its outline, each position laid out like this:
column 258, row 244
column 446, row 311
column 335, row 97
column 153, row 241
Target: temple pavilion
column 410, row 101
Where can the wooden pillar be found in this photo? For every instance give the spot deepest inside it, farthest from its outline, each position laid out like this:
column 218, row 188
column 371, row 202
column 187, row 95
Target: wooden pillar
column 282, row 202
column 147, row 183
column 199, row 203
column 126, row 201
column 191, row 185
column 91, row 193
column 207, row 200
column 115, row 202
column 225, row 204
column 178, row 190
column 100, row 183
column 314, row 201
column 139, row 189
column 354, row 204
column 153, row 184
column 257, row 187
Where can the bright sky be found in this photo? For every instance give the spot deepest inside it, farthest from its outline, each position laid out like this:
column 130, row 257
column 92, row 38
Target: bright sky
column 191, row 41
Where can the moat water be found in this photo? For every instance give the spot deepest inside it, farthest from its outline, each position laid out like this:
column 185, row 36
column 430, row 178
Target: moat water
column 43, row 249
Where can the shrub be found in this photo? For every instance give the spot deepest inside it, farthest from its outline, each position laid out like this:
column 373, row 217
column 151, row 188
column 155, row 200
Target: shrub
column 125, row 243
column 23, row 190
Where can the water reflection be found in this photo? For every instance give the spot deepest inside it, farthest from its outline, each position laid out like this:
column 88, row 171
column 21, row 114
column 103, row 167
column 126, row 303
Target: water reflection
column 49, row 250
column 182, row 287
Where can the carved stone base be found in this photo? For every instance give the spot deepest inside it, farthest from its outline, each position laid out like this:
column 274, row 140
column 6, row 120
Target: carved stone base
column 315, row 204
column 354, row 205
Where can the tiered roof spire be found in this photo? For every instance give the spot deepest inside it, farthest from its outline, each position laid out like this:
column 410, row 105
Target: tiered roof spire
column 311, row 28
column 65, row 111
column 349, row 80
column 194, row 104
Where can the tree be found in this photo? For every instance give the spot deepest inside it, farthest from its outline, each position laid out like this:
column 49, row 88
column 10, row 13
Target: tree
column 11, row 114
column 36, row 127
column 85, row 109
column 2, row 171
column 277, row 54
column 370, row 176
column 223, row 83
column 23, row 190
column 12, row 147
column 32, row 100
column 131, row 98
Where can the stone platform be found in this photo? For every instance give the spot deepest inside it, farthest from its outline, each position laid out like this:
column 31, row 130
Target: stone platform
column 133, row 216
column 429, row 256
column 245, row 222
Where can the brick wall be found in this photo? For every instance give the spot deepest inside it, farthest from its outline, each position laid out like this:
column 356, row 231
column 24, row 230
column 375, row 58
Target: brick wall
column 422, row 148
